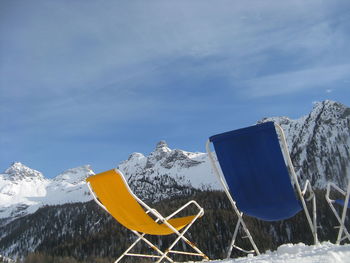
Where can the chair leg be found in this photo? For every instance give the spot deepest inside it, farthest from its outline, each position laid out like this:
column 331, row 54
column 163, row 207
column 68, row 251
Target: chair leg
column 345, row 208
column 181, row 236
column 342, row 228
column 312, row 222
column 232, row 244
column 343, row 232
column 132, row 245
column 163, row 255
column 150, row 244
column 240, row 222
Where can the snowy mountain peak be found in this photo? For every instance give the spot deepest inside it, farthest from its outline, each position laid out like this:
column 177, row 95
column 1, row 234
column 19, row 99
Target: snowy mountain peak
column 167, row 172
column 136, row 156
column 23, row 190
column 75, row 175
column 330, row 110
column 18, row 171
column 162, row 145
column 161, row 151
column 326, row 103
column 281, row 120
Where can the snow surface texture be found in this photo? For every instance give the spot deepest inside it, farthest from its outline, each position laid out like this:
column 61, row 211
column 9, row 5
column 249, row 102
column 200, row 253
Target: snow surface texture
column 6, row 260
column 288, row 253
column 299, row 253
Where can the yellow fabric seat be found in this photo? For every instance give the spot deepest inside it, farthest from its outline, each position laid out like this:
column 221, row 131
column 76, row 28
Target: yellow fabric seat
column 115, row 195
column 111, row 191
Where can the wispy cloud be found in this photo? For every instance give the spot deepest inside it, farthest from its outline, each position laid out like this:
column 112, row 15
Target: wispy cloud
column 291, row 82
column 71, row 68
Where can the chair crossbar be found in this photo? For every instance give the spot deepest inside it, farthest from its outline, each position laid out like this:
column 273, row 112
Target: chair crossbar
column 343, row 238
column 243, row 250
column 142, row 255
column 185, row 253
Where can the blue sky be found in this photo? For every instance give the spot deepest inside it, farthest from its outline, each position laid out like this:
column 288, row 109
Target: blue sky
column 90, row 82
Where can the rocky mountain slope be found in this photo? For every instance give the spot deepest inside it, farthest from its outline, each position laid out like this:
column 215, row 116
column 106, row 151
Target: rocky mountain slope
column 319, row 143
column 168, row 172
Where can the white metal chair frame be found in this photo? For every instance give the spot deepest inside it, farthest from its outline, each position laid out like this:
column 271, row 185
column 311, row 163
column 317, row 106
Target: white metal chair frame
column 342, row 229
column 239, row 214
column 159, row 218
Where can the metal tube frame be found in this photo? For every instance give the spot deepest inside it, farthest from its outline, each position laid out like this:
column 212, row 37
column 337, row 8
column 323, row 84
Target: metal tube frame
column 313, row 222
column 239, row 214
column 342, row 229
column 159, row 218
column 240, row 222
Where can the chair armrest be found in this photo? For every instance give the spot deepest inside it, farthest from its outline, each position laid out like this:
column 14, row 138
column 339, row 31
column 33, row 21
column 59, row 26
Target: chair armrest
column 307, row 186
column 329, row 185
column 192, row 202
column 160, row 217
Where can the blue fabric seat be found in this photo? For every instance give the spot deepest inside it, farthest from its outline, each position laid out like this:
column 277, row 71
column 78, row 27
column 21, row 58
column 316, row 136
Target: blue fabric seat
column 257, row 177
column 256, row 174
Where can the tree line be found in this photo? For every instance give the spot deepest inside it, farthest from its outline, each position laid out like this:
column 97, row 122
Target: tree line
column 84, row 233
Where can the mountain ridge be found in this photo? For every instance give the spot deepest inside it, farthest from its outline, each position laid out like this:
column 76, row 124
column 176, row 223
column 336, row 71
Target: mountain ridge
column 23, row 190
column 318, row 144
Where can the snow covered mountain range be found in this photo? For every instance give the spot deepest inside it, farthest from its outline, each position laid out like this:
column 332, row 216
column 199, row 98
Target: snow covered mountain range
column 162, row 174
column 23, row 190
column 166, row 172
column 318, row 142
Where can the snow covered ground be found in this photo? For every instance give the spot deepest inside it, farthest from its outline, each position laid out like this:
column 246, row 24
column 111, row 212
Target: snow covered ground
column 299, row 253
column 325, row 252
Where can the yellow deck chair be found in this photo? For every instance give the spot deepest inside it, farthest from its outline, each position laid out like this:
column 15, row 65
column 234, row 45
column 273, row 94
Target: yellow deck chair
column 111, row 191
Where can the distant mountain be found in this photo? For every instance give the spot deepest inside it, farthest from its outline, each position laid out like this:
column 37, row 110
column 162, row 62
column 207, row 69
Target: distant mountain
column 23, row 190
column 162, row 174
column 319, row 143
column 166, row 173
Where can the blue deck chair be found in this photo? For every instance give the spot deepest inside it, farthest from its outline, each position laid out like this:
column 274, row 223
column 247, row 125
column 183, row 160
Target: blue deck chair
column 343, row 233
column 256, row 177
